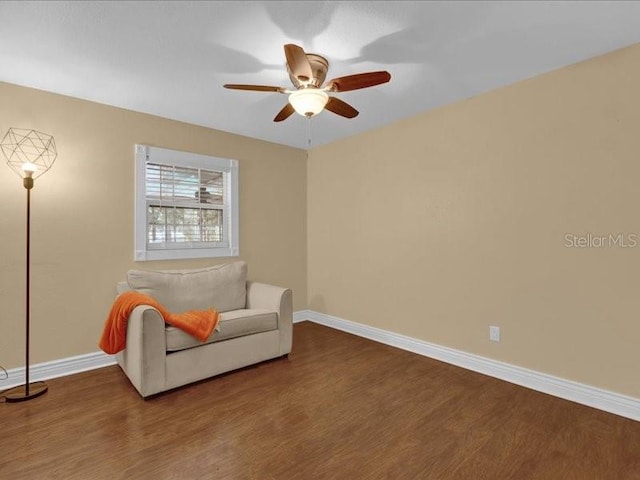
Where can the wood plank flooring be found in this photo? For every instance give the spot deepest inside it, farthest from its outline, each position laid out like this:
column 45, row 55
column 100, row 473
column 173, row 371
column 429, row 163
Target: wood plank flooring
column 340, row 407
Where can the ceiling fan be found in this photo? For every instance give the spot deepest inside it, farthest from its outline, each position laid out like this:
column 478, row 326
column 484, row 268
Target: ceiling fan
column 308, row 72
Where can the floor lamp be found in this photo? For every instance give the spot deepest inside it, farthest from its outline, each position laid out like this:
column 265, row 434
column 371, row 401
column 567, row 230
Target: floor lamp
column 30, row 154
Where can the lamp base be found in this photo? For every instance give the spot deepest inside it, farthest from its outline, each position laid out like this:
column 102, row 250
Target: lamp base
column 19, row 394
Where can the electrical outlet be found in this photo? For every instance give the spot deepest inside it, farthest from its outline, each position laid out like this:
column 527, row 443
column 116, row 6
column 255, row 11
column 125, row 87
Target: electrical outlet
column 494, row 334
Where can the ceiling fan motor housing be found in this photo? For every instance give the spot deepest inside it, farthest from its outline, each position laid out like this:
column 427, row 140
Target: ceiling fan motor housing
column 319, row 68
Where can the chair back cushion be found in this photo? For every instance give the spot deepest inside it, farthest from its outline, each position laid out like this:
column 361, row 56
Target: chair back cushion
column 223, row 287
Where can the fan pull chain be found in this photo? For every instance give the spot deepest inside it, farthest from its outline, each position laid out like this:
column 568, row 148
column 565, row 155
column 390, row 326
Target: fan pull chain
column 309, row 131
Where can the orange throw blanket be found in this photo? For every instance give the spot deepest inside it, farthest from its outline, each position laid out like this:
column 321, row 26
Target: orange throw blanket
column 197, row 323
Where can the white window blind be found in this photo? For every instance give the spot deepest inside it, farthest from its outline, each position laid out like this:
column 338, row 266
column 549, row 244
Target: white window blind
column 189, row 205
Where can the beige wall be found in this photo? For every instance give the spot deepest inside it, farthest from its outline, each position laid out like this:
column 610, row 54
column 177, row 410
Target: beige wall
column 441, row 225
column 82, row 217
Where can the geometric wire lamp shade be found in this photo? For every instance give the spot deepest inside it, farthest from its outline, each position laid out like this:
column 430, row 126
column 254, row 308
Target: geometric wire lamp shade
column 28, row 150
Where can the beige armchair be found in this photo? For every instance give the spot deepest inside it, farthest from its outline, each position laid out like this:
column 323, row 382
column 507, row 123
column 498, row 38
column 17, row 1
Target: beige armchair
column 255, row 325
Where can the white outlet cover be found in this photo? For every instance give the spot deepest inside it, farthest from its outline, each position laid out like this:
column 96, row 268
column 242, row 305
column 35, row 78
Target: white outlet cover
column 494, row 333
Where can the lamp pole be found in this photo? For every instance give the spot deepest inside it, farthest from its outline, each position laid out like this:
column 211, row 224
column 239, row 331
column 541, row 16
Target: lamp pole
column 29, row 391
column 28, row 184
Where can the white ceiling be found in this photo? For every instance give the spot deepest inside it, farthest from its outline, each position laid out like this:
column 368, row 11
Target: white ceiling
column 172, row 58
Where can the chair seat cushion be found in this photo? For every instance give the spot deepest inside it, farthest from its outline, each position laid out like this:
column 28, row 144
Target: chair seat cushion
column 235, row 323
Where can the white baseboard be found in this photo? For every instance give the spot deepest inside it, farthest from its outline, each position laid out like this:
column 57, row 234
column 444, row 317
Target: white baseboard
column 302, row 315
column 57, row 368
column 611, row 402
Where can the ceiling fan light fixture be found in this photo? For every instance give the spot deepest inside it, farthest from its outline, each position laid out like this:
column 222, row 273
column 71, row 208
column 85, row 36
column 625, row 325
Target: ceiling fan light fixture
column 308, row 101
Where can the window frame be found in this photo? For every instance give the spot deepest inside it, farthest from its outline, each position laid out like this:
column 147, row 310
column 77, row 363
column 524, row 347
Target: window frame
column 142, row 252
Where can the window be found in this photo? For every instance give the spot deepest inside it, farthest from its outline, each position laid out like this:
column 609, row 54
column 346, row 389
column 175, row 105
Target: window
column 186, row 205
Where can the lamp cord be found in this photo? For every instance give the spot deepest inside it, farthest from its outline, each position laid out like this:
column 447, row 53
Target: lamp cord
column 6, row 377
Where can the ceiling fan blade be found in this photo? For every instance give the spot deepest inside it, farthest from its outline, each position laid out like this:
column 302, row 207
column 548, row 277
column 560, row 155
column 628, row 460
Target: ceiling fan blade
column 285, row 113
column 360, row 80
column 341, row 108
column 255, row 88
column 298, row 62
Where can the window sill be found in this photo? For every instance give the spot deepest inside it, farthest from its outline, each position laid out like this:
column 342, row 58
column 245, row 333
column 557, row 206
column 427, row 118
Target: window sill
column 177, row 254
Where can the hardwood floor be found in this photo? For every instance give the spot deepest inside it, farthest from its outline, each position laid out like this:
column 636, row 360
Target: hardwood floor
column 341, row 407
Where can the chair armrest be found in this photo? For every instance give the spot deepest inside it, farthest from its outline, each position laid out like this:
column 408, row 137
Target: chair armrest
column 275, row 299
column 143, row 359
